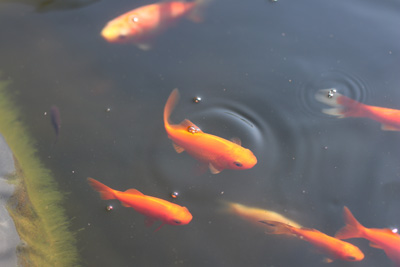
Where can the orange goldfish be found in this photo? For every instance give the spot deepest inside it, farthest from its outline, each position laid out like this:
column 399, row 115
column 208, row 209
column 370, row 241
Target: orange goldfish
column 155, row 209
column 347, row 107
column 219, row 153
column 255, row 215
column 333, row 247
column 384, row 239
column 141, row 25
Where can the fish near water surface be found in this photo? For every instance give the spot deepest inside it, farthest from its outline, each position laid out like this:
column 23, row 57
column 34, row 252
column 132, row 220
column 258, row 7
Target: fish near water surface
column 331, row 246
column 141, row 25
column 155, row 209
column 384, row 239
column 344, row 107
column 255, row 215
column 217, row 152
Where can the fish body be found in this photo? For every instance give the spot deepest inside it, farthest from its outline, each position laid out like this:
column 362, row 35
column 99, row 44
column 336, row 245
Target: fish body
column 384, row 239
column 344, row 107
column 254, row 215
column 155, row 209
column 217, row 152
column 141, row 25
column 331, row 246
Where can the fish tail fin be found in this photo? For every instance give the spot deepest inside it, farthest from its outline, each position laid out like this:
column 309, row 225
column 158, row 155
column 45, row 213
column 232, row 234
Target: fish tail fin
column 342, row 106
column 197, row 13
column 352, row 229
column 105, row 191
column 278, row 228
column 170, row 105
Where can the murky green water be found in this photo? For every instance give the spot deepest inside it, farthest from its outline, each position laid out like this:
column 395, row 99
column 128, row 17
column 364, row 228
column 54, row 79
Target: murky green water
column 256, row 65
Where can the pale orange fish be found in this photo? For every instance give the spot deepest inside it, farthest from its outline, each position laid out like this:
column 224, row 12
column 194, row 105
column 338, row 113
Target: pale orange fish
column 384, row 239
column 155, row 209
column 255, row 215
column 331, row 246
column 346, row 107
column 217, row 152
column 141, row 25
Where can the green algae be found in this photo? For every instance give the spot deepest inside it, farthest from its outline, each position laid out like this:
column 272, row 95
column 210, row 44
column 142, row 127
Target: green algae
column 35, row 207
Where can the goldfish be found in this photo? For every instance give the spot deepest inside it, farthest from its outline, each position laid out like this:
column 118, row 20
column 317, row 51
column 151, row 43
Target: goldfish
column 141, row 25
column 217, row 152
column 254, row 215
column 155, row 209
column 384, row 239
column 344, row 106
column 333, row 247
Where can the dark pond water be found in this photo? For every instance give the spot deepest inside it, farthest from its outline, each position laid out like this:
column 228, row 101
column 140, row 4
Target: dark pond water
column 257, row 66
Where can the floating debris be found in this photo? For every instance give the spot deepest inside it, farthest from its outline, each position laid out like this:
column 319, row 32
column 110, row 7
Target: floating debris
column 109, row 208
column 108, row 109
column 174, row 194
column 331, row 93
column 197, row 99
column 193, row 129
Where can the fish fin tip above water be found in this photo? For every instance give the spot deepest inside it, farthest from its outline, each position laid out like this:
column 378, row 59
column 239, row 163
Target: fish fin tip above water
column 213, row 169
column 133, row 191
column 236, row 140
column 386, row 127
column 177, row 148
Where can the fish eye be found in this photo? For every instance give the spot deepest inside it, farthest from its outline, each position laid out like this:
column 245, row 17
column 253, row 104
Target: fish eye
column 134, row 18
column 238, row 164
column 177, row 221
column 351, row 258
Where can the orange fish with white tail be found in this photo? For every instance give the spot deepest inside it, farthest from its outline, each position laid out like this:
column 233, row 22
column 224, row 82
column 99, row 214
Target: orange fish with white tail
column 141, row 25
column 155, row 209
column 344, row 107
column 333, row 247
column 384, row 239
column 217, row 152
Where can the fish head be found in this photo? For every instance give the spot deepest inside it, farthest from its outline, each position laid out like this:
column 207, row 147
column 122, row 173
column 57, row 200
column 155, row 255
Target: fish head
column 239, row 158
column 179, row 216
column 122, row 29
column 351, row 253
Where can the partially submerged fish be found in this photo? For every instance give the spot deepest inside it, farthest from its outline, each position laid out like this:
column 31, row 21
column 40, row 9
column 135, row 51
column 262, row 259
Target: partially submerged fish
column 254, row 215
column 384, row 239
column 331, row 246
column 141, row 25
column 155, row 209
column 217, row 152
column 344, row 107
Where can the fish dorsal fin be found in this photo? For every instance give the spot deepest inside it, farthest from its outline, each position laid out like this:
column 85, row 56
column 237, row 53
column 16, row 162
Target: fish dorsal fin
column 236, row 140
column 386, row 127
column 177, row 148
column 187, row 124
column 133, row 191
column 374, row 245
column 213, row 169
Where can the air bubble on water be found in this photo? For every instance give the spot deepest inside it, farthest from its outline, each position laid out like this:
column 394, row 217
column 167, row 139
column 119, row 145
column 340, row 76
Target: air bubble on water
column 193, row 130
column 331, row 93
column 196, row 99
column 174, row 194
column 108, row 109
column 395, row 230
column 109, row 208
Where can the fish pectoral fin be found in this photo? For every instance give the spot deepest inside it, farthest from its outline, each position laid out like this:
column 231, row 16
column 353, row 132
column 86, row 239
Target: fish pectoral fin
column 386, row 127
column 327, row 260
column 177, row 148
column 133, row 191
column 159, row 227
column 236, row 140
column 149, row 221
column 187, row 123
column 125, row 205
column 375, row 245
column 213, row 169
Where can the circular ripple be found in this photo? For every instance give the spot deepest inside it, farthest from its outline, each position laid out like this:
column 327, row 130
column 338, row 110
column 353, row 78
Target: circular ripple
column 345, row 83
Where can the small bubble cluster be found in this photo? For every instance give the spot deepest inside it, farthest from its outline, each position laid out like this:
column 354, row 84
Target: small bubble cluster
column 193, row 129
column 196, row 99
column 331, row 93
column 174, row 194
column 109, row 208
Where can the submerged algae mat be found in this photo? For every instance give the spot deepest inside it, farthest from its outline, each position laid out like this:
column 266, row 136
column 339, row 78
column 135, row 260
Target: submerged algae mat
column 36, row 204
